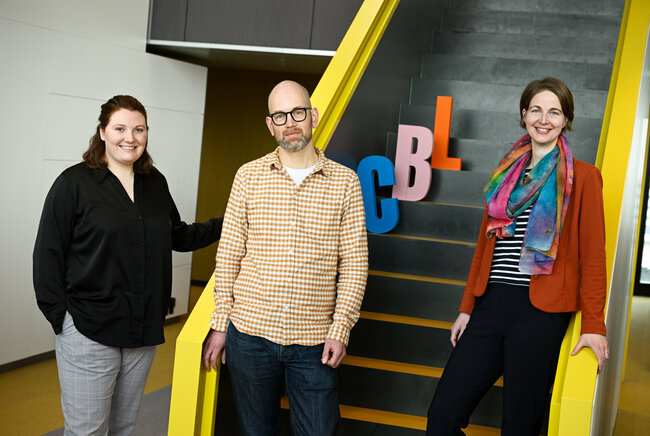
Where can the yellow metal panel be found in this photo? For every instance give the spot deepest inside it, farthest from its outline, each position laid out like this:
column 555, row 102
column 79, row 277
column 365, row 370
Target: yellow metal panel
column 194, row 391
column 558, row 386
column 575, row 384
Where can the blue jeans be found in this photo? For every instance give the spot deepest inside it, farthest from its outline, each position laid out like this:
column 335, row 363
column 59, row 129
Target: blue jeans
column 258, row 368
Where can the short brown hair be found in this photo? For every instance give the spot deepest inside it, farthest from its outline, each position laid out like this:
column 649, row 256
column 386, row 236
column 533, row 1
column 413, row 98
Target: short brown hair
column 94, row 157
column 557, row 87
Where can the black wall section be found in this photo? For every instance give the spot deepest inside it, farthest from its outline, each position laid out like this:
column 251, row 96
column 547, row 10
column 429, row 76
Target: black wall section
column 168, row 19
column 297, row 24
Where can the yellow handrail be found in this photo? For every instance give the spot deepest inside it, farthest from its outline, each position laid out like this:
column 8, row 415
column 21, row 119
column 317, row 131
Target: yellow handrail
column 573, row 392
column 194, row 391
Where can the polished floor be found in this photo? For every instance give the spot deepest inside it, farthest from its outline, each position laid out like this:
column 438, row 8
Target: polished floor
column 29, row 396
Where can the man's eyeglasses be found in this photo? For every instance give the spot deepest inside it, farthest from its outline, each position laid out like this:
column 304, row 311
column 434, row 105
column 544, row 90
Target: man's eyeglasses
column 298, row 114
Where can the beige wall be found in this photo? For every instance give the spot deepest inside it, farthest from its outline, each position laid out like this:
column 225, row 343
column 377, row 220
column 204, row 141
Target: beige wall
column 60, row 61
column 234, row 132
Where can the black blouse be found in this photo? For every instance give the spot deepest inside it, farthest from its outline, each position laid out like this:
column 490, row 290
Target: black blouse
column 107, row 260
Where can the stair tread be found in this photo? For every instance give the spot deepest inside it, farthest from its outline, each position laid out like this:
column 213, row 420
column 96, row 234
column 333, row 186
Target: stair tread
column 522, row 46
column 397, row 419
column 542, row 23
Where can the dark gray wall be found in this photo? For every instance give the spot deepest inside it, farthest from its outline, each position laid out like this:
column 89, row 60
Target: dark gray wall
column 373, row 111
column 303, row 24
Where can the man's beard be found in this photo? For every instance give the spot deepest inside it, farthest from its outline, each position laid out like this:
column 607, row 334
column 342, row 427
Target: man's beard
column 297, row 146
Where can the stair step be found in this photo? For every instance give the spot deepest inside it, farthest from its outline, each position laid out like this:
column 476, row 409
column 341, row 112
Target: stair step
column 541, row 23
column 400, row 343
column 484, row 155
column 494, row 126
column 410, row 320
column 525, row 46
column 416, row 277
column 407, row 256
column 407, row 368
column 496, row 97
column 418, row 218
column 399, row 296
column 476, row 154
column 577, row 76
column 405, row 394
column 457, row 187
column 584, row 7
column 357, row 421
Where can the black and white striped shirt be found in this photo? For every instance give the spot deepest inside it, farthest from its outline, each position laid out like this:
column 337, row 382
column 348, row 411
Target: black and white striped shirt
column 507, row 251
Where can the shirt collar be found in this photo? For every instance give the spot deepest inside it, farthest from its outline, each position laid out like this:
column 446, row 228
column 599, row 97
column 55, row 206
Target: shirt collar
column 322, row 164
column 100, row 174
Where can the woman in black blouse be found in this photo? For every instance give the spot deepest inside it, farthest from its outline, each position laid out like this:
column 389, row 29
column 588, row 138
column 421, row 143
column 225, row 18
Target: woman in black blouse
column 103, row 270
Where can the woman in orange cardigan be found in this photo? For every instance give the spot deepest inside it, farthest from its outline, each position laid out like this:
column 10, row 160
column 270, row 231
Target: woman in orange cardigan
column 540, row 257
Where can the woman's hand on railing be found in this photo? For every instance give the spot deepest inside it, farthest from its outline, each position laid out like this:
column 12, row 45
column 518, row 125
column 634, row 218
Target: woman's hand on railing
column 596, row 342
column 214, row 344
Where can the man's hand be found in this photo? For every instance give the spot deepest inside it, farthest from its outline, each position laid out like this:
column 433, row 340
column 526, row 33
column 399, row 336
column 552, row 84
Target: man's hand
column 333, row 353
column 459, row 327
column 214, row 344
column 596, row 342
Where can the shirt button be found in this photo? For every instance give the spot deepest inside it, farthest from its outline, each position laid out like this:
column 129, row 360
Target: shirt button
column 289, row 280
column 291, row 251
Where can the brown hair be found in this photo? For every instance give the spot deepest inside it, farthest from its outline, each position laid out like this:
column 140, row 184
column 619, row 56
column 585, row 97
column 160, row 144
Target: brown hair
column 557, row 87
column 94, row 156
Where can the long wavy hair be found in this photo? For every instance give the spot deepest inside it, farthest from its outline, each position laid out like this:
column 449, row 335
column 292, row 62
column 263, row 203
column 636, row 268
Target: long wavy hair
column 95, row 156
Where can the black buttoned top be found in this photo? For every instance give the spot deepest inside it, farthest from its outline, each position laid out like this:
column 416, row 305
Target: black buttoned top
column 107, row 260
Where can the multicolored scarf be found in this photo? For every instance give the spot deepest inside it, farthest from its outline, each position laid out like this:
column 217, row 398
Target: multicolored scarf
column 508, row 193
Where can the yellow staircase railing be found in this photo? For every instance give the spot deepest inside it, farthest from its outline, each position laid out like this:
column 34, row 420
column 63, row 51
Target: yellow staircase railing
column 574, row 391
column 194, row 390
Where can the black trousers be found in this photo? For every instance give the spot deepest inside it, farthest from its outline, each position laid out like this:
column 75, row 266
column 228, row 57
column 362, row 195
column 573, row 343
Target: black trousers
column 505, row 335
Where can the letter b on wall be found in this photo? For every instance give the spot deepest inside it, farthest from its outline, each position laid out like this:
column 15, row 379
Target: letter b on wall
column 405, row 158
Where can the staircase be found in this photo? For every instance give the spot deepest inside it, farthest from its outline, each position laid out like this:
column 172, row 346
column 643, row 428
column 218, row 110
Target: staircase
column 482, row 53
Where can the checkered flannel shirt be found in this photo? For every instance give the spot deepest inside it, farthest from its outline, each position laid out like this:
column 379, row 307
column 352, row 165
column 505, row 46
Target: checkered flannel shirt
column 282, row 247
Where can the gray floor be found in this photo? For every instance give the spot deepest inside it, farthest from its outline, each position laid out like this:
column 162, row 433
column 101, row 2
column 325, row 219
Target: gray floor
column 153, row 417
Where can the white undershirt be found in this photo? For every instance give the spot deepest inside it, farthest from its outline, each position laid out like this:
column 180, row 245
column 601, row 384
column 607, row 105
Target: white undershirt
column 299, row 174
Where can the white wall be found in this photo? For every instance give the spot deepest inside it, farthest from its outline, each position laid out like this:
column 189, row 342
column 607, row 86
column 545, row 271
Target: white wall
column 59, row 61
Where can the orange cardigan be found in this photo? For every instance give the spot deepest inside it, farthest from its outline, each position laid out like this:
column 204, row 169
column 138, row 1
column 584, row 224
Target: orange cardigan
column 579, row 277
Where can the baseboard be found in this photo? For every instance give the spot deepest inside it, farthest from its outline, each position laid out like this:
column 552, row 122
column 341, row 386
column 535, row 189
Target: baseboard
column 27, row 361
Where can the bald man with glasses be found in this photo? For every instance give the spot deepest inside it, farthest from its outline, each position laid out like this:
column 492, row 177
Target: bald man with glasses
column 290, row 275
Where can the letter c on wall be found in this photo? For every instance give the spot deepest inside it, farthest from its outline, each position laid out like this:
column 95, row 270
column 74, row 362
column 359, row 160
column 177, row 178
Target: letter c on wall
column 386, row 177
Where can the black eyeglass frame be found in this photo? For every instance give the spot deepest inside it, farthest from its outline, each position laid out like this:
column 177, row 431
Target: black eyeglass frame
column 290, row 113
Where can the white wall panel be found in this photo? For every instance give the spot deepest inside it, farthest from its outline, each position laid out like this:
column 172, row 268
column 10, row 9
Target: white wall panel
column 181, row 278
column 67, row 139
column 94, row 70
column 122, row 22
column 60, row 61
column 21, row 119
